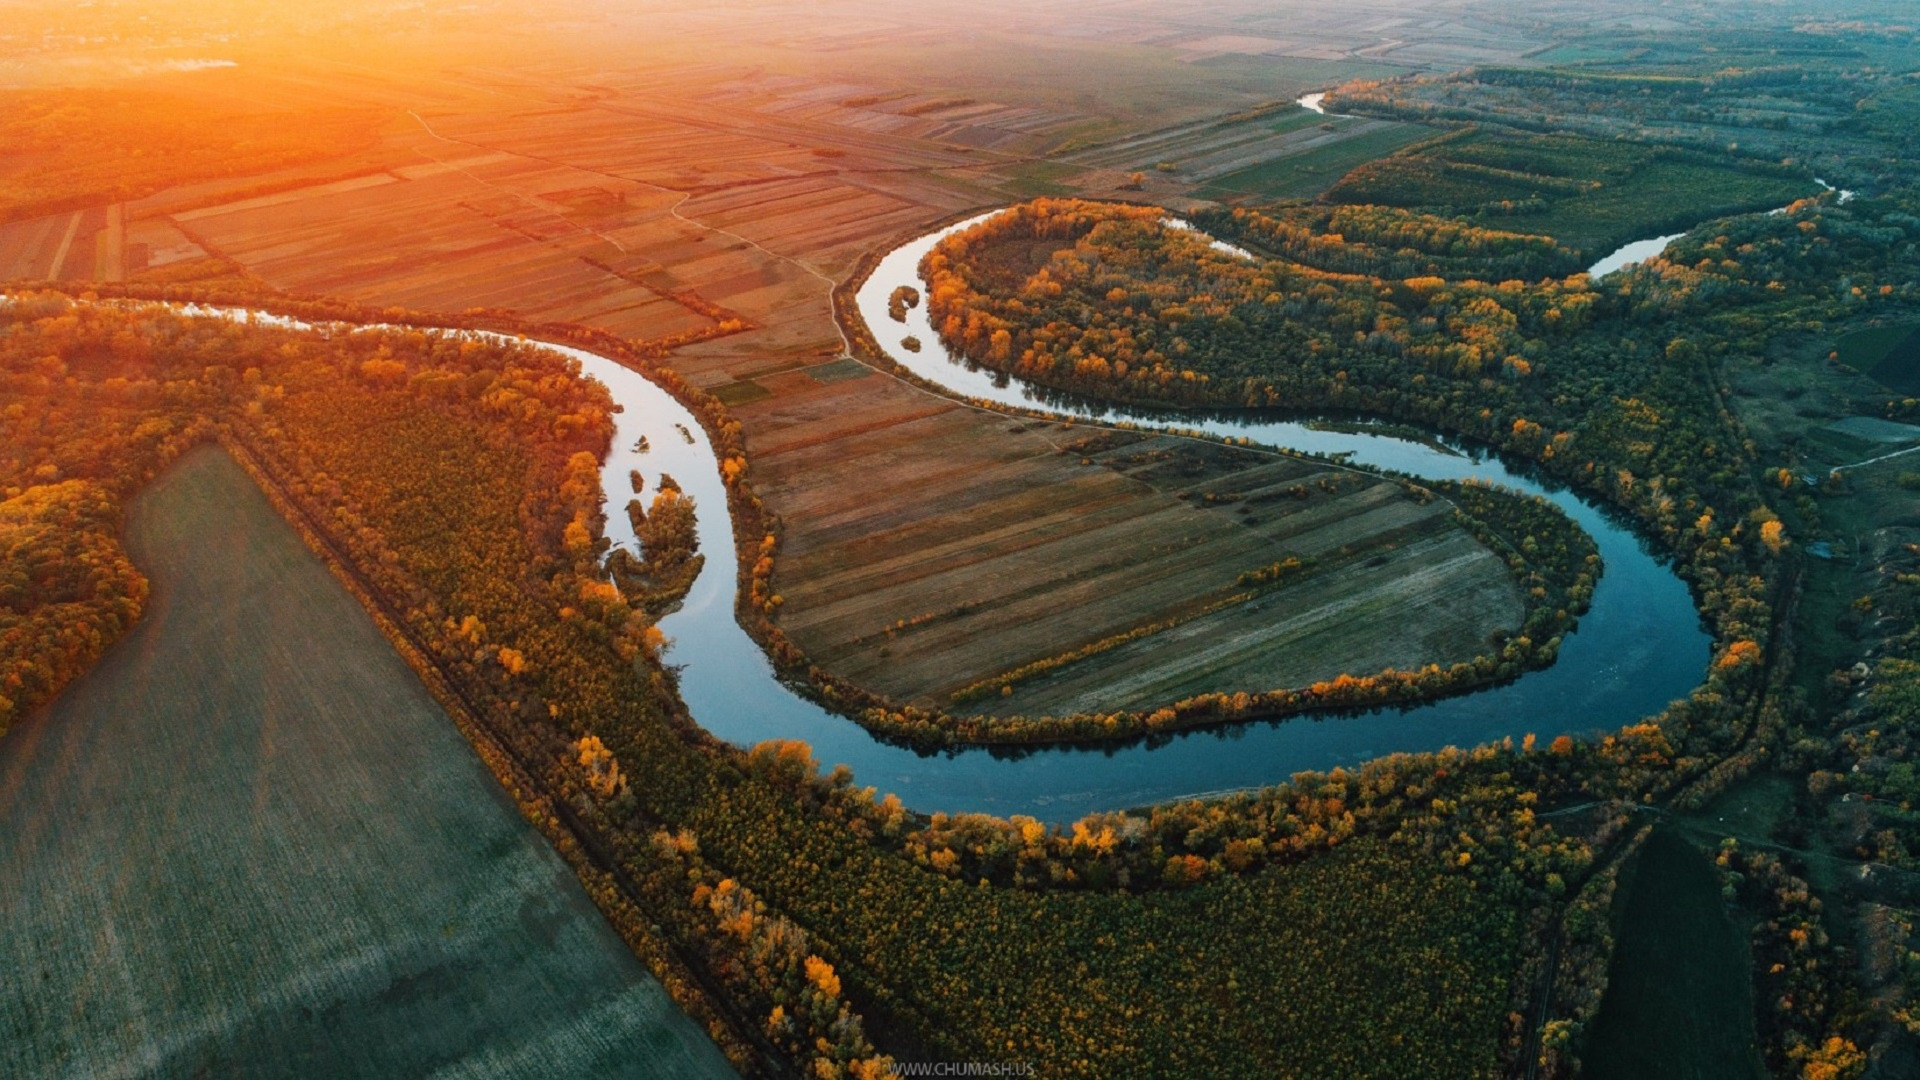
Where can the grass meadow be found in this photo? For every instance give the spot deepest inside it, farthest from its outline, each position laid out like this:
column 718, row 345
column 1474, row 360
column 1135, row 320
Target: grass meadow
column 1588, row 194
column 1890, row 355
column 1304, row 176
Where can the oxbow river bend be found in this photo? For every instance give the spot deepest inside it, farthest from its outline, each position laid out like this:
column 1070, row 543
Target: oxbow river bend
column 1639, row 647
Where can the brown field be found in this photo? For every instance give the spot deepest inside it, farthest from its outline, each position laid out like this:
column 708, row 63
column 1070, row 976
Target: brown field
column 1000, row 542
column 90, row 245
column 654, row 195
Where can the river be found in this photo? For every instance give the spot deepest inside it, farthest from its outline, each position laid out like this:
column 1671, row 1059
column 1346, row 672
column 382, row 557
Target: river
column 1639, row 647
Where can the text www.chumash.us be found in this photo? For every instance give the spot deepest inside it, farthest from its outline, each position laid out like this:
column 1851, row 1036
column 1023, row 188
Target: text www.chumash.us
column 963, row 1068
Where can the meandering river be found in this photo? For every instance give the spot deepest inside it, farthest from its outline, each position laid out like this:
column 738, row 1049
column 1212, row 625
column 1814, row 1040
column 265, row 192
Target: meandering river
column 1639, row 647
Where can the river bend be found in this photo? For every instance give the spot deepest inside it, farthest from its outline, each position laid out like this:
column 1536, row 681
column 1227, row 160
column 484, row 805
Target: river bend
column 1639, row 647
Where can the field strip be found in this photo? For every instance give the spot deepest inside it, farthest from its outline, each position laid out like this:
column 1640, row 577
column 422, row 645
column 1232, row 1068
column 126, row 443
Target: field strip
column 581, row 849
column 66, row 242
column 1156, row 663
column 336, row 885
column 282, row 198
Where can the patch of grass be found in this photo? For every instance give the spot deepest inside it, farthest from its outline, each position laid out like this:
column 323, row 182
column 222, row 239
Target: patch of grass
column 1825, row 634
column 1839, row 446
column 1296, row 119
column 1035, row 189
column 1660, row 196
column 1578, row 54
column 741, row 392
column 1679, row 999
column 1890, row 355
column 1588, row 194
column 1297, row 71
column 1862, row 349
column 1035, row 179
column 839, row 371
column 1750, row 810
column 1566, row 158
column 1043, row 171
column 1306, row 175
column 253, row 815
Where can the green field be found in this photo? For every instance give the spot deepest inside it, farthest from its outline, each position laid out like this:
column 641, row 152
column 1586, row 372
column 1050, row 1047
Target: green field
column 1578, row 54
column 1679, row 1001
column 1890, row 355
column 1588, row 194
column 249, row 842
column 1660, row 195
column 1305, row 175
column 1033, row 179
